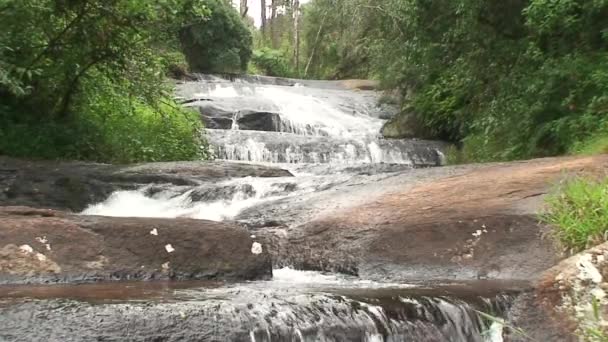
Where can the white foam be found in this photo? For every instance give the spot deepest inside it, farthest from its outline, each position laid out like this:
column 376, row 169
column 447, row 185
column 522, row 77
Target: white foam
column 289, row 276
column 313, row 116
column 136, row 203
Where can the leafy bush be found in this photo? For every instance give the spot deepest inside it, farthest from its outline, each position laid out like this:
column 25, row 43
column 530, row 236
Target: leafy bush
column 271, row 62
column 220, row 44
column 111, row 128
column 86, row 80
column 579, row 212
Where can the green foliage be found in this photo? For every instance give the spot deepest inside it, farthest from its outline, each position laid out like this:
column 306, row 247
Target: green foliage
column 337, row 38
column 143, row 135
column 271, row 63
column 597, row 144
column 579, row 212
column 86, row 79
column 502, row 79
column 219, row 44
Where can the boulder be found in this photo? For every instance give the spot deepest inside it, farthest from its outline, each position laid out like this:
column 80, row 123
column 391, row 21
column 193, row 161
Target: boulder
column 260, row 121
column 572, row 296
column 405, row 126
column 47, row 246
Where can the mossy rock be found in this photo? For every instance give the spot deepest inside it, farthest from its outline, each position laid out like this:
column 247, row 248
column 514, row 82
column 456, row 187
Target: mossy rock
column 405, row 126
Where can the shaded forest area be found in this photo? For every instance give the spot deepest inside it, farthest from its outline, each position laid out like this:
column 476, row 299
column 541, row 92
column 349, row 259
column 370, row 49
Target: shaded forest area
column 500, row 79
column 88, row 79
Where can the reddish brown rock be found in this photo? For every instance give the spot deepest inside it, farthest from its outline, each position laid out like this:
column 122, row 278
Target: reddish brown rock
column 50, row 246
column 481, row 223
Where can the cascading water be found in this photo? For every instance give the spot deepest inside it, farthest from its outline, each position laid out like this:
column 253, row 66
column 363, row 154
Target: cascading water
column 267, row 120
column 329, row 139
column 295, row 306
column 299, row 124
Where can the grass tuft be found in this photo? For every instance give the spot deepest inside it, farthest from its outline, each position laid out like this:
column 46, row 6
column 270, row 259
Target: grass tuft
column 579, row 212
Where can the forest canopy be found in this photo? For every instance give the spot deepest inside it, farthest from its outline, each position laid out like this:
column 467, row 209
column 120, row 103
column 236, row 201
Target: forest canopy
column 87, row 79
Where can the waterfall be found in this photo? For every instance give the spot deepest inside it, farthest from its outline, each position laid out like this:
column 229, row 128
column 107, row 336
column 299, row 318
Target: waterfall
column 329, row 139
column 261, row 122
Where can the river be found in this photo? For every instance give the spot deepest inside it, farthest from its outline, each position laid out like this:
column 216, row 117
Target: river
column 328, row 137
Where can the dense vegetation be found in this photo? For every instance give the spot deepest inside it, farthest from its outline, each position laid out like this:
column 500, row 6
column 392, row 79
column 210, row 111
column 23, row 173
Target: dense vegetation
column 87, row 79
column 503, row 79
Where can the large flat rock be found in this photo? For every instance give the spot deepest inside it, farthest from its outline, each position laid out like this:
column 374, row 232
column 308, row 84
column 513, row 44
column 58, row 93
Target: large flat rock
column 75, row 185
column 46, row 246
column 476, row 224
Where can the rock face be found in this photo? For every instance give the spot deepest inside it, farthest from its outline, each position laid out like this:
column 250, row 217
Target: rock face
column 405, row 126
column 46, row 246
column 572, row 296
column 478, row 224
column 74, row 185
column 216, row 117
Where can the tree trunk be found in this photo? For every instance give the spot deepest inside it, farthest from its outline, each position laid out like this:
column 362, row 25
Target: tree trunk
column 273, row 24
column 263, row 17
column 314, row 47
column 244, row 9
column 296, row 35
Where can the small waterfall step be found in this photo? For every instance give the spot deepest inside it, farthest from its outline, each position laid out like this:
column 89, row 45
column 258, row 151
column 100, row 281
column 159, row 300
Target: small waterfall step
column 272, row 147
column 298, row 306
column 283, row 121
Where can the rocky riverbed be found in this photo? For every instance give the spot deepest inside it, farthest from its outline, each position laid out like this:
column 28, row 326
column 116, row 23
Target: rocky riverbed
column 317, row 230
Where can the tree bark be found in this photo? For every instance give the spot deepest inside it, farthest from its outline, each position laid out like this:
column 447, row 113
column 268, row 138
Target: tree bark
column 263, row 17
column 296, row 35
column 273, row 24
column 314, row 47
column 244, row 9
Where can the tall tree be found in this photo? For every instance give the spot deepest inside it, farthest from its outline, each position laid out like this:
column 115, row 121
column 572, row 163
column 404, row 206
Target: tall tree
column 263, row 17
column 273, row 24
column 244, row 8
column 296, row 34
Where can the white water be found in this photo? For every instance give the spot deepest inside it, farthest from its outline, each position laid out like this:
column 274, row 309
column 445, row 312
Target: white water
column 314, row 125
column 305, row 114
column 135, row 203
column 168, row 204
column 286, row 277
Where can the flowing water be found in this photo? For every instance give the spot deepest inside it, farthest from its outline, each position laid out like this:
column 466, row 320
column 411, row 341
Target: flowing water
column 328, row 137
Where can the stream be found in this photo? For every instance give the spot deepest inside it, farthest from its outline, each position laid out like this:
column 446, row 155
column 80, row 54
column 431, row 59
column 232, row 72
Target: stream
column 328, row 138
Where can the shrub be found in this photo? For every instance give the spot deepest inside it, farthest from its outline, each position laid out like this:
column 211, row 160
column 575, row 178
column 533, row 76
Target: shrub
column 271, row 62
column 145, row 134
column 220, row 44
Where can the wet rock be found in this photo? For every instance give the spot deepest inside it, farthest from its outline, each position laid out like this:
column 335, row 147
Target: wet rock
column 215, row 118
column 260, row 121
column 75, row 185
column 260, row 312
column 529, row 315
column 214, row 193
column 90, row 248
column 479, row 224
column 360, row 84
